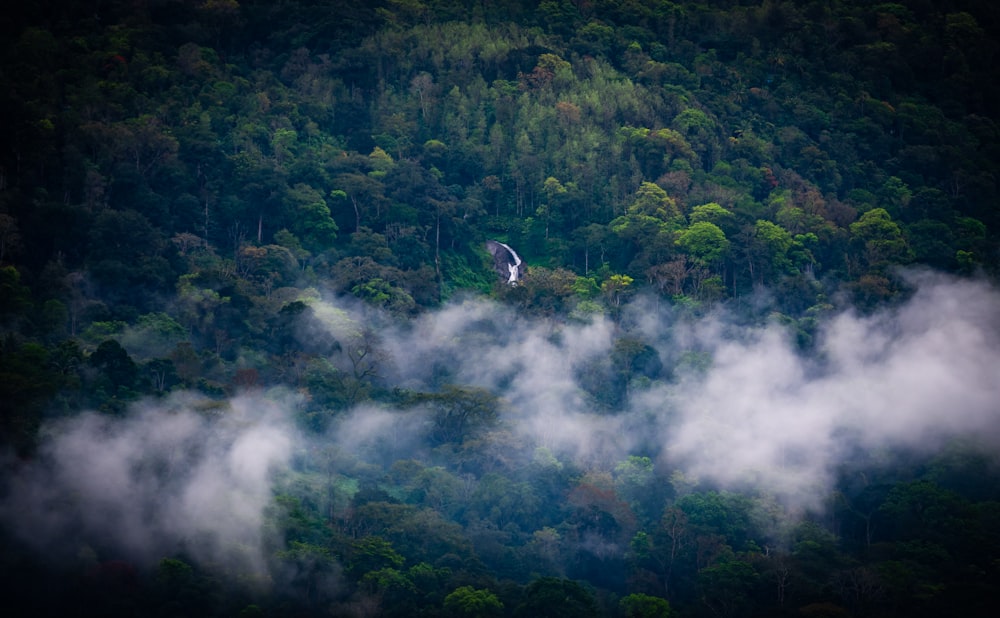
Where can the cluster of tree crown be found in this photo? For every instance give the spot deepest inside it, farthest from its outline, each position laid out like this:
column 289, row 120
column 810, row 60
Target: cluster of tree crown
column 179, row 178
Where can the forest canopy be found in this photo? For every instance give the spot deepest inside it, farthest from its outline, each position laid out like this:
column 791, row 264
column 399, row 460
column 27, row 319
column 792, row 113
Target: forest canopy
column 256, row 358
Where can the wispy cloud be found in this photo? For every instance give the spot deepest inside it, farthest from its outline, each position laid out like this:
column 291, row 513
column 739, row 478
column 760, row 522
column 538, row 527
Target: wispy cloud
column 170, row 477
column 758, row 413
column 915, row 376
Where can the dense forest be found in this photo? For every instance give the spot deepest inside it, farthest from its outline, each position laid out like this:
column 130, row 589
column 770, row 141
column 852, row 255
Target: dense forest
column 256, row 360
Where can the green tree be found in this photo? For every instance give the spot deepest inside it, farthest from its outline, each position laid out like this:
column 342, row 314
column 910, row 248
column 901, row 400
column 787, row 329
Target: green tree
column 365, row 193
column 395, row 590
column 153, row 335
column 713, row 213
column 115, row 363
column 311, row 220
column 702, row 133
column 724, row 513
column 125, row 255
column 28, row 382
column 649, row 227
column 466, row 601
column 162, row 374
column 544, row 291
column 637, row 482
column 637, row 605
column 881, row 239
column 726, row 588
column 590, row 237
column 283, row 142
column 616, row 288
column 550, row 597
column 372, row 553
column 652, row 201
column 666, row 554
column 311, row 567
column 503, row 501
column 634, row 360
column 766, row 246
column 923, row 510
column 550, row 211
column 458, row 412
column 705, row 242
column 15, row 297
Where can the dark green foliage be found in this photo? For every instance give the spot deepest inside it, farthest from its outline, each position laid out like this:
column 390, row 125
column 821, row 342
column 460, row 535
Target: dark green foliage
column 644, row 606
column 116, row 366
column 29, row 376
column 181, row 181
column 517, row 132
column 459, row 413
column 467, row 601
column 556, row 598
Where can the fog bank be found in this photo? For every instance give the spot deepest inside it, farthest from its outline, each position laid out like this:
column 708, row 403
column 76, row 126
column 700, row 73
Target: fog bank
column 755, row 413
column 181, row 475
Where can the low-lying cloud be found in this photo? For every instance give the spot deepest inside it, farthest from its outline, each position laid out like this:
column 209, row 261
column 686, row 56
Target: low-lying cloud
column 171, row 477
column 913, row 377
column 761, row 413
column 757, row 414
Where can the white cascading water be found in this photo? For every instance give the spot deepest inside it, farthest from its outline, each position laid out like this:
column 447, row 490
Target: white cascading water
column 514, row 268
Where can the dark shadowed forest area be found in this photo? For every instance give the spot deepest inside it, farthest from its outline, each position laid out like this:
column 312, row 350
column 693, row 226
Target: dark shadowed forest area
column 500, row 308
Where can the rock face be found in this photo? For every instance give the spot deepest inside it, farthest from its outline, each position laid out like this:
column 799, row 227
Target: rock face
column 506, row 261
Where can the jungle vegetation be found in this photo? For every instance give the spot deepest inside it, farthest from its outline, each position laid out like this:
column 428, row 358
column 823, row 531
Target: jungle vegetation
column 181, row 180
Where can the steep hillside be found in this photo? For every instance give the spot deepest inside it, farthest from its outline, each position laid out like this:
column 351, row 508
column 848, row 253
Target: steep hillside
column 261, row 353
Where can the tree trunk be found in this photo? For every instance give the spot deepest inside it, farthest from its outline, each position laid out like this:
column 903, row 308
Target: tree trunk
column 437, row 252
